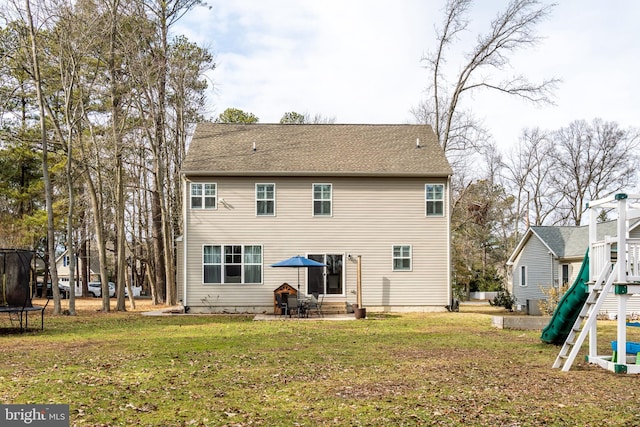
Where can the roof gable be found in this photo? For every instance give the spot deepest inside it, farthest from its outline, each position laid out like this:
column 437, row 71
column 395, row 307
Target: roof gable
column 565, row 241
column 274, row 149
column 94, row 263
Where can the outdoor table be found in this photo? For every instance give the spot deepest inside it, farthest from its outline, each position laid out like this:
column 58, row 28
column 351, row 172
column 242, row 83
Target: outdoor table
column 303, row 304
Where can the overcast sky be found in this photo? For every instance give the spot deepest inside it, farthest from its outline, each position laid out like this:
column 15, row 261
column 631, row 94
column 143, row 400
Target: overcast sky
column 359, row 60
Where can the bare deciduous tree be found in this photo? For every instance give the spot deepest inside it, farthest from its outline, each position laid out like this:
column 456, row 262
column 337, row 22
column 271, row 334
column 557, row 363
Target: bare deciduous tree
column 512, row 29
column 163, row 14
column 295, row 118
column 593, row 160
column 37, row 80
column 527, row 174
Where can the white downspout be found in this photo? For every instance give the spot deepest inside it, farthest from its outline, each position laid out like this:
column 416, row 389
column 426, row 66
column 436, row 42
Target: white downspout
column 449, row 266
column 185, row 246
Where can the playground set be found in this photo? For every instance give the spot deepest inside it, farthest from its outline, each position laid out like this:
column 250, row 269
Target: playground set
column 611, row 266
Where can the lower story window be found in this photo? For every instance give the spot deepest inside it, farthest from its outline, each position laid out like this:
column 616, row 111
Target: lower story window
column 232, row 263
column 565, row 274
column 402, row 258
column 523, row 275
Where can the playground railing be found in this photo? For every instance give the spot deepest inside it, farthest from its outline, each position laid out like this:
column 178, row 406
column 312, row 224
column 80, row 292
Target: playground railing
column 633, row 260
column 599, row 257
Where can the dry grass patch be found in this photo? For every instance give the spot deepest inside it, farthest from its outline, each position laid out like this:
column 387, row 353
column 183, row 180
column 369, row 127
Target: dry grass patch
column 125, row 369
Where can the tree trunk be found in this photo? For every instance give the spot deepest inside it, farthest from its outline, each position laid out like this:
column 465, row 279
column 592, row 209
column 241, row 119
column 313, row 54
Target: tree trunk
column 116, row 119
column 51, row 241
column 100, row 242
column 159, row 272
column 84, row 256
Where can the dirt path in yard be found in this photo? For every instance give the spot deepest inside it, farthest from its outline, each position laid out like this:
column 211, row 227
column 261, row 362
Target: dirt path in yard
column 90, row 304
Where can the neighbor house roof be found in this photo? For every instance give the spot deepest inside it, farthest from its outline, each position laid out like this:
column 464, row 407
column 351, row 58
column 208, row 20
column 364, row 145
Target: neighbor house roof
column 323, row 149
column 564, row 241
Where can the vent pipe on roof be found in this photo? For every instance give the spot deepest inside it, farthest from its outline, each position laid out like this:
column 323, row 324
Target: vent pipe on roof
column 417, row 142
column 254, row 146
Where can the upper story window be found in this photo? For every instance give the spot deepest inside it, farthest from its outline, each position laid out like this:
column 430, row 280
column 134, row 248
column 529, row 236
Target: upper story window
column 322, row 195
column 434, row 195
column 265, row 199
column 203, row 195
column 402, row 258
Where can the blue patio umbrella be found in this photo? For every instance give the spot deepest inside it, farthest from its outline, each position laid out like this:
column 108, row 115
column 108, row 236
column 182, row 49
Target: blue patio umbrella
column 298, row 262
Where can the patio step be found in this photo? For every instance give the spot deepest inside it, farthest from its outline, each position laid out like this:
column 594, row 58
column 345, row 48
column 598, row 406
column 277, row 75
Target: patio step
column 334, row 308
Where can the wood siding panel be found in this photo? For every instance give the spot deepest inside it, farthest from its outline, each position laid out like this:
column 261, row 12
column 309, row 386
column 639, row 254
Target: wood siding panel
column 369, row 216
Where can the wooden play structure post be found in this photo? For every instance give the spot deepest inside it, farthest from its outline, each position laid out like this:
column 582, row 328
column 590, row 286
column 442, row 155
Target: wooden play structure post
column 360, row 311
column 359, row 282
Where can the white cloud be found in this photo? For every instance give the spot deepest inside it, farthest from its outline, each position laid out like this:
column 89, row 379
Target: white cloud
column 359, row 61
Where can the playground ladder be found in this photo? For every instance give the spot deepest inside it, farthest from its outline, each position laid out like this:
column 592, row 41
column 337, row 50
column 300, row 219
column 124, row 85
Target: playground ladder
column 589, row 311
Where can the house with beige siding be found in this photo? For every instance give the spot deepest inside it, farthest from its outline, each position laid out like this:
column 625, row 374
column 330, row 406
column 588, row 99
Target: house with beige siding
column 261, row 193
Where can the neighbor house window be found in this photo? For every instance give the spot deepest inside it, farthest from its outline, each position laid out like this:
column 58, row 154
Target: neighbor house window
column 203, row 196
column 232, row 264
column 265, row 199
column 565, row 274
column 322, row 199
column 402, row 258
column 523, row 275
column 66, row 261
column 434, row 195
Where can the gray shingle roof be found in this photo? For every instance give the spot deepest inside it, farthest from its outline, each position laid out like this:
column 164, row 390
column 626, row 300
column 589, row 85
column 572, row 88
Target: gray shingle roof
column 389, row 150
column 569, row 242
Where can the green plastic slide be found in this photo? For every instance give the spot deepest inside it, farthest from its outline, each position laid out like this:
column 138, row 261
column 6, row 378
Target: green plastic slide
column 569, row 307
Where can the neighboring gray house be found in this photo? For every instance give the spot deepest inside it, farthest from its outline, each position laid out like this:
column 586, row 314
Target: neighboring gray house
column 258, row 194
column 550, row 256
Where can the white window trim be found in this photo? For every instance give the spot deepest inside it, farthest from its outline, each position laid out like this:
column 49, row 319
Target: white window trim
column 560, row 273
column 313, row 200
column 343, row 275
column 444, row 207
column 222, row 264
column 393, row 258
column 526, row 276
column 202, row 264
column 274, row 198
column 202, row 196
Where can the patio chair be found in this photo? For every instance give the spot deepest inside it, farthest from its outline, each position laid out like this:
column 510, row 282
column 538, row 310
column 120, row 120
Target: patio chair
column 315, row 304
column 292, row 304
column 283, row 306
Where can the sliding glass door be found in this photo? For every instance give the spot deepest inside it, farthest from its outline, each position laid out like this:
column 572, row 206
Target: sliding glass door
column 328, row 280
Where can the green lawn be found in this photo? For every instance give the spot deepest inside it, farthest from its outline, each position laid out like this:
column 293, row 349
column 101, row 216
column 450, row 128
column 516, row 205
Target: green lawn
column 446, row 369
